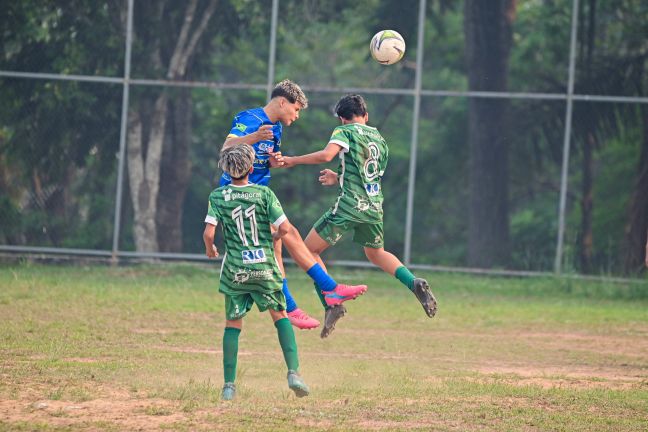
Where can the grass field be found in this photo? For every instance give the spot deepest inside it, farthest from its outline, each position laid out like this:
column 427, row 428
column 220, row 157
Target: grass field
column 138, row 348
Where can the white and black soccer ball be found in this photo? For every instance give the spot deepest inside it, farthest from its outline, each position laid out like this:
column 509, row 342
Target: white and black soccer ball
column 387, row 47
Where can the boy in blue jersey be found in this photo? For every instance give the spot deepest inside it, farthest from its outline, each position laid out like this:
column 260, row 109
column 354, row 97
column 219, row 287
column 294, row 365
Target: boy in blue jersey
column 261, row 128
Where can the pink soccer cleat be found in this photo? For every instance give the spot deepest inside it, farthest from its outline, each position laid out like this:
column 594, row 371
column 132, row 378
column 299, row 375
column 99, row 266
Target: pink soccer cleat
column 342, row 293
column 301, row 320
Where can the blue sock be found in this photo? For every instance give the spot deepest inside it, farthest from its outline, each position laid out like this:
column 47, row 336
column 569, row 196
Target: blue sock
column 321, row 278
column 290, row 301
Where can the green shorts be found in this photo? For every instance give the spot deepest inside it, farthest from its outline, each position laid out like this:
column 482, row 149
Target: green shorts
column 331, row 227
column 237, row 306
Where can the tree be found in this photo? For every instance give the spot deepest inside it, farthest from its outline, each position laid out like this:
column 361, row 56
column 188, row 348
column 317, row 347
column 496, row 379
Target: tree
column 487, row 28
column 147, row 119
column 637, row 225
column 57, row 149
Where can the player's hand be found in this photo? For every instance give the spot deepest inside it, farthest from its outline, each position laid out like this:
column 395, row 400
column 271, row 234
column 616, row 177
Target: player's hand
column 288, row 162
column 328, row 178
column 264, row 133
column 276, row 160
column 211, row 252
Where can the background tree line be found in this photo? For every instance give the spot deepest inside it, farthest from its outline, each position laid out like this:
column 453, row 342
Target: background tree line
column 488, row 170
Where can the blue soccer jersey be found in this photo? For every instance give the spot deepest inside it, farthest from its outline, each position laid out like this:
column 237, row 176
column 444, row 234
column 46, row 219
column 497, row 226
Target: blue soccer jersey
column 245, row 123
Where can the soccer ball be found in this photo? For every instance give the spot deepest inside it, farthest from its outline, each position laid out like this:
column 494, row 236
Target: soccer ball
column 387, row 47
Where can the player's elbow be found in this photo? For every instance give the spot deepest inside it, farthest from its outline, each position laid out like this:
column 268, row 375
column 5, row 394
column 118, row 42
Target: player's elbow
column 328, row 156
column 285, row 228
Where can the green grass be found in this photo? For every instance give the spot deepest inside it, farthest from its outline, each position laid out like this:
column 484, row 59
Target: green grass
column 139, row 348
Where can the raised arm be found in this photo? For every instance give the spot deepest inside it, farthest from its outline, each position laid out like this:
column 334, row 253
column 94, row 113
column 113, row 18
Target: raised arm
column 263, row 133
column 323, row 156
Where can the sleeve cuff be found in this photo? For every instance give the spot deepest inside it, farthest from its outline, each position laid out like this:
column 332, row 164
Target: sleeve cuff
column 211, row 220
column 281, row 219
column 342, row 144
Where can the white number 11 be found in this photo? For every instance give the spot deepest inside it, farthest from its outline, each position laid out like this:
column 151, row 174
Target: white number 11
column 238, row 216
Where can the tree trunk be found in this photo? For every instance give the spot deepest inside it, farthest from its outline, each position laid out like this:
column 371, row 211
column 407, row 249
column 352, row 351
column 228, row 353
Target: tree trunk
column 586, row 237
column 145, row 152
column 175, row 170
column 637, row 227
column 487, row 27
column 144, row 173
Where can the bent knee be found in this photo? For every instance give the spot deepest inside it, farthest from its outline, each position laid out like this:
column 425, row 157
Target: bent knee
column 372, row 253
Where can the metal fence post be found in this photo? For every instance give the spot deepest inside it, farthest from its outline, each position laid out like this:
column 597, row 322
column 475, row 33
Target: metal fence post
column 567, row 141
column 122, row 133
column 411, row 185
column 273, row 47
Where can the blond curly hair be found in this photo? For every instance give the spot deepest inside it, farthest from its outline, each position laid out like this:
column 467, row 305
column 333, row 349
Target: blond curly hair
column 237, row 160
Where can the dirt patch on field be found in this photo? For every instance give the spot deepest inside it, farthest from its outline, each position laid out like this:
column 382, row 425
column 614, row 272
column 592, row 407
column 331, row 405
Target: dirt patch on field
column 565, row 377
column 631, row 345
column 306, row 354
column 120, row 409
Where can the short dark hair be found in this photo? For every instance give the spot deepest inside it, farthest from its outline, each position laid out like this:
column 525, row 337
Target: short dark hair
column 351, row 105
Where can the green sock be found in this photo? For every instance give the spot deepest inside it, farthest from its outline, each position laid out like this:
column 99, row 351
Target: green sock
column 230, row 352
column 321, row 296
column 405, row 277
column 288, row 343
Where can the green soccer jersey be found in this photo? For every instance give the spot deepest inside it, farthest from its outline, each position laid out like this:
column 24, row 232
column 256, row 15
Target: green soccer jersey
column 245, row 213
column 362, row 164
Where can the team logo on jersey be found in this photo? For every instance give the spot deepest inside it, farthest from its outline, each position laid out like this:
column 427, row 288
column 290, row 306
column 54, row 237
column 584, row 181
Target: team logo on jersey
column 362, row 205
column 265, row 147
column 240, row 126
column 372, row 189
column 254, row 256
column 227, row 194
column 243, row 275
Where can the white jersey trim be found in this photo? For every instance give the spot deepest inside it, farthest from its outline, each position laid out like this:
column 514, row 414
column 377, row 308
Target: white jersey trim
column 345, row 146
column 220, row 275
column 211, row 220
column 341, row 181
column 281, row 219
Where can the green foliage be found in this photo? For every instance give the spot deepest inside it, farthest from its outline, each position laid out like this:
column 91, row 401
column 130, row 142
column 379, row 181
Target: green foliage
column 58, row 139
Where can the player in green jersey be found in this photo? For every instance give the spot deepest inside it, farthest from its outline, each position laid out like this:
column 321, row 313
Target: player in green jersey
column 363, row 155
column 262, row 129
column 249, row 272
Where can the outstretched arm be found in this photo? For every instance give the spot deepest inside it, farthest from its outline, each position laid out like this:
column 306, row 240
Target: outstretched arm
column 326, row 155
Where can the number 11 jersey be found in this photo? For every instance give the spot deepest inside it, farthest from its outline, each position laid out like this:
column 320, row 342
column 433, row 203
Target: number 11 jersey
column 246, row 213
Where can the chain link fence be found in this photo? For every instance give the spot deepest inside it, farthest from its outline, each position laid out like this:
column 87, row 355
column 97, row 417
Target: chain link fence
column 69, row 162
